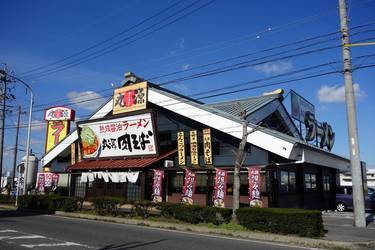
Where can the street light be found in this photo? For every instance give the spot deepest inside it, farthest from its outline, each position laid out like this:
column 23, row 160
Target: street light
column 28, row 138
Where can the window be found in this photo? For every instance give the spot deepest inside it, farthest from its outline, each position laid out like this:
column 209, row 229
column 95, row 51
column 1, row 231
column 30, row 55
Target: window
column 310, row 182
column 201, row 184
column 287, row 181
column 326, row 183
column 176, row 182
column 79, row 188
column 134, row 191
column 244, row 184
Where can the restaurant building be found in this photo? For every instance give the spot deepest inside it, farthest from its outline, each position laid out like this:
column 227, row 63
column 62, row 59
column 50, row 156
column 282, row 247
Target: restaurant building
column 146, row 131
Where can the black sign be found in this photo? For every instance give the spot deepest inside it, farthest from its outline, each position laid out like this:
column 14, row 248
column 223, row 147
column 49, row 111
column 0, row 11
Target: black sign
column 317, row 130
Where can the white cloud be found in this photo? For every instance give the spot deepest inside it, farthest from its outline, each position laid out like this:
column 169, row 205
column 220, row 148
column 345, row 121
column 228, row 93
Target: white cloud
column 277, row 67
column 185, row 66
column 181, row 43
column 37, row 125
column 88, row 100
column 336, row 93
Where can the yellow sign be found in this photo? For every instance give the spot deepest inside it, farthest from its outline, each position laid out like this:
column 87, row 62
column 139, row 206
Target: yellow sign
column 56, row 132
column 194, row 147
column 130, row 98
column 207, row 148
column 181, row 148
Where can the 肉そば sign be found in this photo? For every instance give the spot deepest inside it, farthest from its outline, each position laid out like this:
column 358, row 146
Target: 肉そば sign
column 125, row 136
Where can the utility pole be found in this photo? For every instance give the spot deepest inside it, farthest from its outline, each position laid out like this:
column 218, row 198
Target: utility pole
column 16, row 146
column 3, row 77
column 358, row 197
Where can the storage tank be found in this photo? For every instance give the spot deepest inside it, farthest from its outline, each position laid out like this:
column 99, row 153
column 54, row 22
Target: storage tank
column 32, row 170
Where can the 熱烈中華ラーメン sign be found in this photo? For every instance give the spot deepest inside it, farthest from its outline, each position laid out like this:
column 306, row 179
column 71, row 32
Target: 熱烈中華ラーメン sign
column 132, row 135
column 130, row 98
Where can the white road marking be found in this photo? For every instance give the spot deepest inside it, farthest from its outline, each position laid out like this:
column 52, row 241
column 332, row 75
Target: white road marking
column 8, row 238
column 8, row 231
column 51, row 244
column 27, row 237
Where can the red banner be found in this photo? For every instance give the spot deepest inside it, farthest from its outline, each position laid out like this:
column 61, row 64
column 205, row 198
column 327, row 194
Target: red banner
column 220, row 187
column 158, row 186
column 254, row 186
column 189, row 187
column 41, row 183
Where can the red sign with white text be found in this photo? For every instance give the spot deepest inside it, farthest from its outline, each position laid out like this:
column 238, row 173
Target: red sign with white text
column 254, row 186
column 157, row 195
column 189, row 187
column 220, row 187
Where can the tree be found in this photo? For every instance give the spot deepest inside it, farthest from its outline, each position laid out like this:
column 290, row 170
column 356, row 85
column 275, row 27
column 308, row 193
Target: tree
column 240, row 159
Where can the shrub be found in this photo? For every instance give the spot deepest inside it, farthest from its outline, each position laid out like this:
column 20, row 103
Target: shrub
column 142, row 208
column 282, row 220
column 5, row 198
column 195, row 214
column 106, row 204
column 48, row 202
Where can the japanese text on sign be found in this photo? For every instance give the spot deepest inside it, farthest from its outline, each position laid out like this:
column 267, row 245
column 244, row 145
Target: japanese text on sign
column 254, row 186
column 181, row 148
column 158, row 186
column 194, row 147
column 130, row 98
column 207, row 148
column 125, row 136
column 56, row 132
column 189, row 187
column 220, row 187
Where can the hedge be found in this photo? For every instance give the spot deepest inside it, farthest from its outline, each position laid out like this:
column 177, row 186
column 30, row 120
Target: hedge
column 6, row 199
column 106, row 205
column 195, row 214
column 282, row 221
column 49, row 202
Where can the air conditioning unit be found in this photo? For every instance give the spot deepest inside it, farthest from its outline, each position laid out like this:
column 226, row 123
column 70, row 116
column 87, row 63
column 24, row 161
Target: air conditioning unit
column 168, row 164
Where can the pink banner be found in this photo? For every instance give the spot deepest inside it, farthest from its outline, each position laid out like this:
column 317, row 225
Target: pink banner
column 254, row 186
column 220, row 187
column 157, row 195
column 189, row 187
column 41, row 183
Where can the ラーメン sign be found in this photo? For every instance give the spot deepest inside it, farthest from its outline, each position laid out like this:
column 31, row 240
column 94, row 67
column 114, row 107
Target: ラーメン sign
column 118, row 137
column 130, row 98
column 300, row 106
column 56, row 132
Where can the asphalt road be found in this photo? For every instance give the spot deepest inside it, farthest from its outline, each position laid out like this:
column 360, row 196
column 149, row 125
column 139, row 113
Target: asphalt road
column 33, row 231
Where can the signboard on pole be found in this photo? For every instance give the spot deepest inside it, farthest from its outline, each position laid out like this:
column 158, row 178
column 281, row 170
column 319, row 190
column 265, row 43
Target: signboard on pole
column 130, row 98
column 189, row 187
column 194, row 148
column 157, row 195
column 300, row 106
column 124, row 136
column 207, row 146
column 220, row 187
column 181, row 148
column 254, row 186
column 56, row 131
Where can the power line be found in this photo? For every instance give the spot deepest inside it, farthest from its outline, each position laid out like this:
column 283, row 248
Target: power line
column 104, row 41
column 120, row 43
column 239, row 90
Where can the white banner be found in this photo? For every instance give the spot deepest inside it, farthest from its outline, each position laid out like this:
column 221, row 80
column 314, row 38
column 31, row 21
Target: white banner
column 125, row 136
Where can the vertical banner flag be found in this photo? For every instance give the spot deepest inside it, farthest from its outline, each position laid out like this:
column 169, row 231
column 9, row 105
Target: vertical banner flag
column 194, row 148
column 73, row 153
column 207, row 148
column 181, row 148
column 130, row 98
column 41, row 182
column 254, row 186
column 220, row 187
column 189, row 187
column 158, row 186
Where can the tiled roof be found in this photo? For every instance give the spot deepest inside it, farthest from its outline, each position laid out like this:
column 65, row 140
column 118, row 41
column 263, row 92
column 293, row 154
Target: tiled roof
column 249, row 104
column 120, row 163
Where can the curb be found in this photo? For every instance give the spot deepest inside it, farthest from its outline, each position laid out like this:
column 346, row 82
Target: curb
column 269, row 237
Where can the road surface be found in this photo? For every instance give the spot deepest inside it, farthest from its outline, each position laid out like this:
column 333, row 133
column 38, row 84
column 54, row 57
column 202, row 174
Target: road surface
column 34, row 231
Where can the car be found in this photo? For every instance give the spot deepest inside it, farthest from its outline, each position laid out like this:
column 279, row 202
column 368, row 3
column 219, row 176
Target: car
column 344, row 200
column 371, row 190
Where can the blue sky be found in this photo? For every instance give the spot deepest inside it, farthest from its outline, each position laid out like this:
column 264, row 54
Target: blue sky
column 37, row 33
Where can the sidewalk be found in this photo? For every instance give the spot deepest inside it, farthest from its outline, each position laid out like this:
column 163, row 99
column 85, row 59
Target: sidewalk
column 340, row 227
